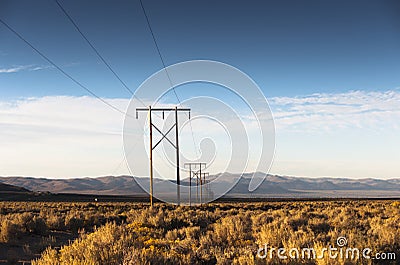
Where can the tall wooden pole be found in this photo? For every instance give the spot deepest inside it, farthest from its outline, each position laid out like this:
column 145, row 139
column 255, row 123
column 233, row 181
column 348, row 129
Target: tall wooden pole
column 151, row 158
column 201, row 188
column 197, row 187
column 190, row 185
column 178, row 179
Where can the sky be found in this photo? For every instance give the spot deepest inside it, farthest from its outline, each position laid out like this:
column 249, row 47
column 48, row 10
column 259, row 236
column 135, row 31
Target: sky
column 329, row 69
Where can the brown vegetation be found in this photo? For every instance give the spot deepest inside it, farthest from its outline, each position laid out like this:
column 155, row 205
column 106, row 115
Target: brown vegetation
column 128, row 233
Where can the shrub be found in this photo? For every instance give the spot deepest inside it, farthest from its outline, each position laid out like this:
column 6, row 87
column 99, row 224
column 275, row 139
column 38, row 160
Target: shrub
column 37, row 226
column 104, row 246
column 74, row 224
column 9, row 231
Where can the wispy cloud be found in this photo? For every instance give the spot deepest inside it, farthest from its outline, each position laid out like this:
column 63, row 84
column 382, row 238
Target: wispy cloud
column 16, row 69
column 12, row 69
column 354, row 109
column 37, row 68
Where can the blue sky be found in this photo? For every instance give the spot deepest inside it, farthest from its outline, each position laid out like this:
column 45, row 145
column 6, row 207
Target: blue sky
column 288, row 47
column 294, row 50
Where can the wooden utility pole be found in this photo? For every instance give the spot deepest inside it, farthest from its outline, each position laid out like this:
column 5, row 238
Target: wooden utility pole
column 195, row 169
column 178, row 178
column 204, row 182
column 151, row 158
column 150, row 110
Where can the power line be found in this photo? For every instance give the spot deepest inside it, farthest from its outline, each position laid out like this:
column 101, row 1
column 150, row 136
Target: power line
column 60, row 69
column 96, row 51
column 165, row 67
column 75, row 24
column 155, row 43
column 109, row 66
column 63, row 72
column 91, row 45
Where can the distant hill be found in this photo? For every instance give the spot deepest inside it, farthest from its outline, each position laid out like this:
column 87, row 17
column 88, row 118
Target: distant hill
column 11, row 188
column 109, row 185
column 11, row 192
column 273, row 186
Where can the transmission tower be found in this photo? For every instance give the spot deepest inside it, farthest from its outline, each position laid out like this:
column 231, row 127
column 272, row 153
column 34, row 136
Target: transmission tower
column 150, row 111
column 195, row 171
column 204, row 183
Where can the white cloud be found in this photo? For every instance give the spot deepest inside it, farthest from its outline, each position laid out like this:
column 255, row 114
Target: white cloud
column 352, row 134
column 63, row 136
column 355, row 109
column 43, row 67
column 60, row 136
column 12, row 69
column 20, row 68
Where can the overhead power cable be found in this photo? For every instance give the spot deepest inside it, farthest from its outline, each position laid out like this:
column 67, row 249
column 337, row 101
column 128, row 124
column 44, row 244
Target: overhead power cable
column 63, row 72
column 96, row 51
column 59, row 68
column 165, row 67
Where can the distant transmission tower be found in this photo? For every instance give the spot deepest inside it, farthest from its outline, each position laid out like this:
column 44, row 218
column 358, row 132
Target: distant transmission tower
column 204, row 183
column 195, row 171
column 150, row 110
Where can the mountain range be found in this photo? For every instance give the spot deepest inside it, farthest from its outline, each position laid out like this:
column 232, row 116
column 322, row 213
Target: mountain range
column 273, row 186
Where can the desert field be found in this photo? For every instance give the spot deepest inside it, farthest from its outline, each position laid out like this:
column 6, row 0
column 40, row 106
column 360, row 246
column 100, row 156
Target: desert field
column 288, row 232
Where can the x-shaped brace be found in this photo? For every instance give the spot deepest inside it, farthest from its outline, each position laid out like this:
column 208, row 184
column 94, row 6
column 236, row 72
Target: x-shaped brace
column 164, row 136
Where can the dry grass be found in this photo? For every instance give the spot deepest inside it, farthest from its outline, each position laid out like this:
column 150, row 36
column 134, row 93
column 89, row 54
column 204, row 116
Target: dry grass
column 124, row 233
